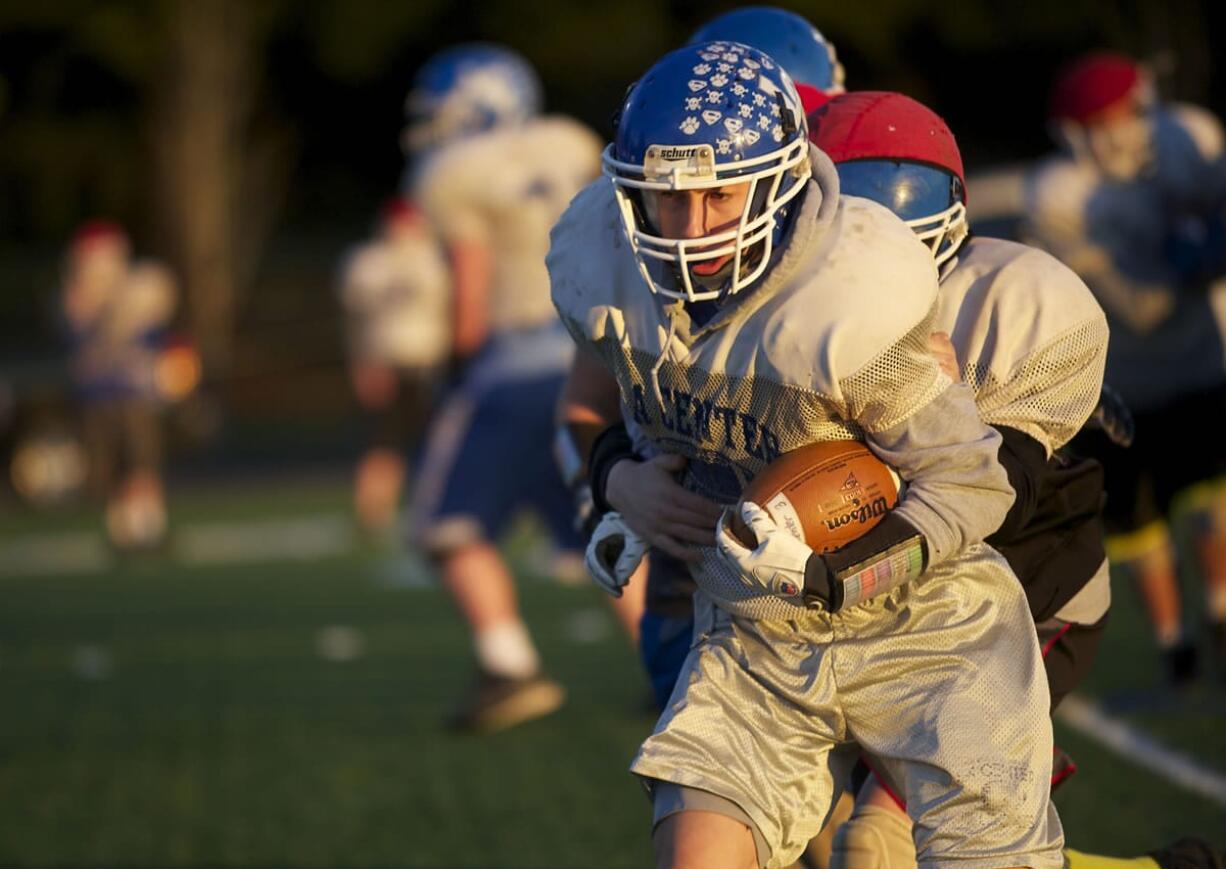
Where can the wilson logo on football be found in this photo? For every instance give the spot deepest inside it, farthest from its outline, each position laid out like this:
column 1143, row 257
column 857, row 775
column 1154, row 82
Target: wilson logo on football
column 873, row 509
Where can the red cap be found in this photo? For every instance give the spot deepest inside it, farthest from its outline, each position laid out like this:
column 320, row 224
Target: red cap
column 879, row 125
column 1092, row 83
column 397, row 209
column 94, row 232
column 811, row 98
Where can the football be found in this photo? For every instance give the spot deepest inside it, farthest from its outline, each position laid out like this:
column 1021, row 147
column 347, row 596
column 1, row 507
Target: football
column 826, row 494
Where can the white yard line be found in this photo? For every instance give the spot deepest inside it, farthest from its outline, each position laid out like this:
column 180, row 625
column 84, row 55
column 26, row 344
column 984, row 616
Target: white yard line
column 1088, row 719
column 301, row 538
column 53, row 554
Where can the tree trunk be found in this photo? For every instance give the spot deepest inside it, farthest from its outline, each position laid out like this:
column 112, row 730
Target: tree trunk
column 202, row 109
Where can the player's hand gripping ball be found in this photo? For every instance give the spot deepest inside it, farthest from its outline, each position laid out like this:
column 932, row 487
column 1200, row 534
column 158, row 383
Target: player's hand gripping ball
column 826, row 494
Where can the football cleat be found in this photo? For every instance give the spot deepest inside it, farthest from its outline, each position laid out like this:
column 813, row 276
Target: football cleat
column 498, row 703
column 1181, row 663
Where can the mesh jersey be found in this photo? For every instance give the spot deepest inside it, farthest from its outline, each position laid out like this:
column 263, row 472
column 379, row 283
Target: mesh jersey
column 396, row 293
column 831, row 345
column 1165, row 340
column 505, row 189
column 1031, row 339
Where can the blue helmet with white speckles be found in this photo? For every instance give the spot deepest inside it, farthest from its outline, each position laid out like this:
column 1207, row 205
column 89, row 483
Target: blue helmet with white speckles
column 790, row 40
column 709, row 116
column 468, row 89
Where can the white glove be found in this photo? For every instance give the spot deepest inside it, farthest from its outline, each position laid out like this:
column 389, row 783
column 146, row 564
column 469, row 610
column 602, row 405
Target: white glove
column 777, row 566
column 613, row 553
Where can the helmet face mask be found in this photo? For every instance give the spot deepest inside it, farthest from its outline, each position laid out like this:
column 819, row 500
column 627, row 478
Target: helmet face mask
column 743, row 124
column 1121, row 148
column 1099, row 111
column 927, row 198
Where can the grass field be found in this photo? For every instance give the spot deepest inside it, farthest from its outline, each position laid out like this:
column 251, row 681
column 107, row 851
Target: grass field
column 256, row 710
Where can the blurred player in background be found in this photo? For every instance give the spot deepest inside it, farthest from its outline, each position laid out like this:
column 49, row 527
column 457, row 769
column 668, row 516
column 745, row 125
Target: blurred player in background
column 1028, row 336
column 719, row 311
column 116, row 311
column 1136, row 205
column 494, row 180
column 396, row 293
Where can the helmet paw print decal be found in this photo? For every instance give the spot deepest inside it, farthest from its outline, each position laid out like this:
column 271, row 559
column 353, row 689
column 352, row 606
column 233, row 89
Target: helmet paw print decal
column 749, row 94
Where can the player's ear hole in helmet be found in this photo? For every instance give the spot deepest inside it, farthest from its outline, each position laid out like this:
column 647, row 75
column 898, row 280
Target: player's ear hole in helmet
column 702, row 120
column 897, row 152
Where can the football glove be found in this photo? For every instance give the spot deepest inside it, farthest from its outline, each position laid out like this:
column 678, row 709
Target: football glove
column 777, row 565
column 613, row 553
column 891, row 554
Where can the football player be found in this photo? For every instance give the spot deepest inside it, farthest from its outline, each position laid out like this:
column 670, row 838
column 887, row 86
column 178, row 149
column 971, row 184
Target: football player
column 1030, row 339
column 1136, row 205
column 667, row 623
column 495, row 177
column 741, row 311
column 116, row 311
column 395, row 290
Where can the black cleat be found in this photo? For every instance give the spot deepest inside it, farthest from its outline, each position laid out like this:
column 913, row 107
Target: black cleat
column 1189, row 853
column 1182, row 664
column 498, row 702
column 1217, row 641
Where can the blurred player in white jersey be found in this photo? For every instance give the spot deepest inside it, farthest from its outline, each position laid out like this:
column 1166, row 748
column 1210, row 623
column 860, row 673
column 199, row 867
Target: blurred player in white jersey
column 731, row 295
column 1136, row 205
column 116, row 311
column 495, row 177
column 1028, row 336
column 396, row 293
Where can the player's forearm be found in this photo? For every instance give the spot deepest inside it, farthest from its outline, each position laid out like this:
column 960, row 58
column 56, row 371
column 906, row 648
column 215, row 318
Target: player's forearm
column 472, row 270
column 957, row 491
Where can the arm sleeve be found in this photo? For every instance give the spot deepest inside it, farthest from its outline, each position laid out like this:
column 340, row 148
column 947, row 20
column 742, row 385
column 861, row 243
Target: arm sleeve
column 957, row 491
column 1025, row 462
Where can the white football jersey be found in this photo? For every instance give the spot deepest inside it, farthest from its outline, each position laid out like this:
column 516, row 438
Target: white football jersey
column 397, row 294
column 1030, row 337
column 1165, row 340
column 505, row 189
column 831, row 345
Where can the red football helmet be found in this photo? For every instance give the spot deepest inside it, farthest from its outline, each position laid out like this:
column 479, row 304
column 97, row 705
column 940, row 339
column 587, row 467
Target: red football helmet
column 889, row 148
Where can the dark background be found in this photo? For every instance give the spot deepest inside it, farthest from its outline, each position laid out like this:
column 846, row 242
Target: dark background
column 248, row 143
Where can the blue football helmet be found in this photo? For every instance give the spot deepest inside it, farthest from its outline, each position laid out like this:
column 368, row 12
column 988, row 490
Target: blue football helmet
column 786, row 37
column 468, row 89
column 709, row 116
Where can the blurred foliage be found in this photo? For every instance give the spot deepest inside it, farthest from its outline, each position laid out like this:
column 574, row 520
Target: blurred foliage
column 77, row 77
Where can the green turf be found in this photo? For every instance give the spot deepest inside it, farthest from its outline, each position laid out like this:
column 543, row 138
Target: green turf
column 220, row 736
